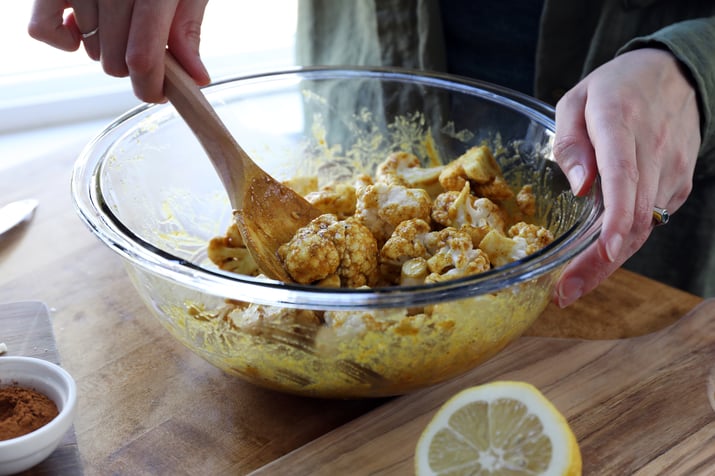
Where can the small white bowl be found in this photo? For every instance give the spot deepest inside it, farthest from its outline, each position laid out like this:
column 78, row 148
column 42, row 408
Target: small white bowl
column 24, row 452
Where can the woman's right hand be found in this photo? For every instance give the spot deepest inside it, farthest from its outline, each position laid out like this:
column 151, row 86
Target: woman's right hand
column 131, row 36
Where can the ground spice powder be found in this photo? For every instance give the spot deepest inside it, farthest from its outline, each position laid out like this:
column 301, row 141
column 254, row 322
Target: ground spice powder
column 23, row 410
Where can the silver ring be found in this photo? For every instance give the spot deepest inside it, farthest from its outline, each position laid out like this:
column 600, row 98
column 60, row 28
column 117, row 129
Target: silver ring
column 90, row 33
column 660, row 216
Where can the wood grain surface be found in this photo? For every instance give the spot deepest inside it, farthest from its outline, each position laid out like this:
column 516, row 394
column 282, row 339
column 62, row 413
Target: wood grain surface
column 642, row 405
column 147, row 405
column 26, row 330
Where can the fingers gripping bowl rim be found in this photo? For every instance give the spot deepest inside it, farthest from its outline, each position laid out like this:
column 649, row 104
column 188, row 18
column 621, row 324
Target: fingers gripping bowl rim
column 130, row 190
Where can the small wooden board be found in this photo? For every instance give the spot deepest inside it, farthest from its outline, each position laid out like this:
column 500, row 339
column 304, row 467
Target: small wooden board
column 26, row 329
column 644, row 405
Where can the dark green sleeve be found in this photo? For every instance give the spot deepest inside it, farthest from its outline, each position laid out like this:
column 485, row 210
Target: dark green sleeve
column 693, row 43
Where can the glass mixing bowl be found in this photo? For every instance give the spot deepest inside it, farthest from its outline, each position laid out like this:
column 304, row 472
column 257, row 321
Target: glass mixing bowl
column 145, row 187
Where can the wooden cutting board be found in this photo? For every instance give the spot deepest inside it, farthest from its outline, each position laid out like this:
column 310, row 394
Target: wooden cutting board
column 26, row 329
column 638, row 406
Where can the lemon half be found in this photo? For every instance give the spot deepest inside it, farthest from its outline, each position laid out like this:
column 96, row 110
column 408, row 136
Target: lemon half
column 499, row 428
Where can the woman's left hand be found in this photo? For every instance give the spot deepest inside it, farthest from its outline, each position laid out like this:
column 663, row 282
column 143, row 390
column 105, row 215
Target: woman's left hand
column 635, row 122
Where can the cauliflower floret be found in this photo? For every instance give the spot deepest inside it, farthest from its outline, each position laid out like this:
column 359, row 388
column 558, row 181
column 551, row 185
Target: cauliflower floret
column 526, row 201
column 269, row 321
column 358, row 266
column 464, row 211
column 454, row 256
column 382, row 207
column 403, row 168
column 362, row 181
column 498, row 190
column 355, row 323
column 229, row 253
column 406, row 242
column 478, row 166
column 327, row 247
column 536, row 236
column 523, row 240
column 502, row 249
column 338, row 199
column 311, row 255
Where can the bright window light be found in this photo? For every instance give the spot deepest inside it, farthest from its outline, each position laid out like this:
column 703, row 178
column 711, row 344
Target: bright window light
column 44, row 87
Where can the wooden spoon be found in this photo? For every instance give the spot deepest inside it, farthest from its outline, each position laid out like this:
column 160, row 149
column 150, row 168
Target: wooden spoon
column 267, row 212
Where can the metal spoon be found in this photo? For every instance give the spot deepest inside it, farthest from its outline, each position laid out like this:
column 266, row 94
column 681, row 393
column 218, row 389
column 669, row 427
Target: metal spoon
column 15, row 213
column 267, row 212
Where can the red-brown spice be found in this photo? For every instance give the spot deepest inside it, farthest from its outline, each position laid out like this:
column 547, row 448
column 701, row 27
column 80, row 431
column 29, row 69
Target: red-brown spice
column 23, row 410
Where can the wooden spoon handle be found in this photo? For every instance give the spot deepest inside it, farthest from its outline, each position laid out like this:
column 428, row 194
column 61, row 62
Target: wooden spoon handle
column 231, row 162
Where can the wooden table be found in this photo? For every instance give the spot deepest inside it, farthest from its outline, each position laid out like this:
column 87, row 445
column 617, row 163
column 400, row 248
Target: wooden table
column 147, row 405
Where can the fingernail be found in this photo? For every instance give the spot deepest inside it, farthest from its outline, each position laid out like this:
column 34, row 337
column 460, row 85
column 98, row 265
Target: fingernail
column 570, row 291
column 576, row 175
column 613, row 247
column 206, row 77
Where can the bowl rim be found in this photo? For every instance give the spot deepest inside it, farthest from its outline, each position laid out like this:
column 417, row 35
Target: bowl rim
column 102, row 222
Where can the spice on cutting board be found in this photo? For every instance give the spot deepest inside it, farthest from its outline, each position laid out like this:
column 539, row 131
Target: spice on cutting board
column 23, row 410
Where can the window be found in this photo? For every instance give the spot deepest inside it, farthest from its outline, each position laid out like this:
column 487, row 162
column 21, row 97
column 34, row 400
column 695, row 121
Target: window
column 43, row 87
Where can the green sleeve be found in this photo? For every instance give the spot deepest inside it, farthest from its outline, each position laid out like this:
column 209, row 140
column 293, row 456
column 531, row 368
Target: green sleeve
column 692, row 42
